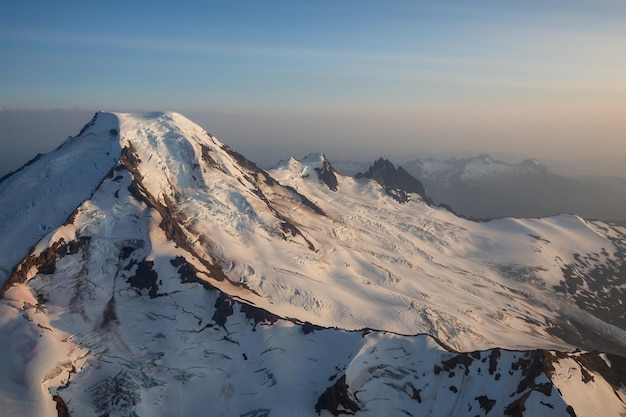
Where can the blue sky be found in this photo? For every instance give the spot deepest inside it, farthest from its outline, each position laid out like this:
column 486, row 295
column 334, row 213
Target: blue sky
column 532, row 77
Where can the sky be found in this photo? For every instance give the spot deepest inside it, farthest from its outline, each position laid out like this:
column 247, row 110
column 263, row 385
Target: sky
column 355, row 79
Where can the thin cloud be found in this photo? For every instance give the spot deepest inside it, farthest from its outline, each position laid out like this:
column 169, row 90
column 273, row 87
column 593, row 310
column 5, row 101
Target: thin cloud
column 523, row 63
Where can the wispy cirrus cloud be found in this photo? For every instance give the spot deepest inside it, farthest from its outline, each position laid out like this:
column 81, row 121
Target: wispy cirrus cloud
column 552, row 60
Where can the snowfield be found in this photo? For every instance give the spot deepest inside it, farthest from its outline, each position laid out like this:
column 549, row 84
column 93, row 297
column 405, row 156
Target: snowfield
column 152, row 270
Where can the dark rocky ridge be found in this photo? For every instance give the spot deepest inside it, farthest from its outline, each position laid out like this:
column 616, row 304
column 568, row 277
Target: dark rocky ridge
column 61, row 407
column 337, row 399
column 326, row 174
column 397, row 182
column 170, row 223
column 45, row 262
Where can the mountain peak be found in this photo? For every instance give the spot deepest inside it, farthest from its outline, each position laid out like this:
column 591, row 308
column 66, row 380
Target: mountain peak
column 172, row 162
column 532, row 163
column 313, row 162
column 326, row 173
column 397, row 182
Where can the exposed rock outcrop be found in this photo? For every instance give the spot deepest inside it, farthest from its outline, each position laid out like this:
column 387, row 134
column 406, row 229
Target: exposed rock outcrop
column 397, row 182
column 337, row 399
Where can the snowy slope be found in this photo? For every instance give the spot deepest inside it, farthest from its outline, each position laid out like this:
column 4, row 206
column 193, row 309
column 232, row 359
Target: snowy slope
column 434, row 268
column 191, row 277
column 40, row 197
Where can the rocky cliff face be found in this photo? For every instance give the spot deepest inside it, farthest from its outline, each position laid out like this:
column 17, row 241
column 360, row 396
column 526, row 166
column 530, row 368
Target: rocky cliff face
column 397, row 182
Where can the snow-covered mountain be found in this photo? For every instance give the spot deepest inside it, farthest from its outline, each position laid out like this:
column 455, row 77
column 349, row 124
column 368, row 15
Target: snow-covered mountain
column 472, row 169
column 149, row 269
column 482, row 187
column 482, row 166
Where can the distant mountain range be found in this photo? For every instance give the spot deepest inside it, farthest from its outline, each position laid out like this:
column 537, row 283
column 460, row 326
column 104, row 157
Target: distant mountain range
column 482, row 187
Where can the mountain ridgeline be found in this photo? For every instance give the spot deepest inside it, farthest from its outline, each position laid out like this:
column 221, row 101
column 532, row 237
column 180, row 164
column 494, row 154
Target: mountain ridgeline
column 485, row 188
column 149, row 269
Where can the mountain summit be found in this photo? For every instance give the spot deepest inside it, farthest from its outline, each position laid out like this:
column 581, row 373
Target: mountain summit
column 396, row 181
column 149, row 269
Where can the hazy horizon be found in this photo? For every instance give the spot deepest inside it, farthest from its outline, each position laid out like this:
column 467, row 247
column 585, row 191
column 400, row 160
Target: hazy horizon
column 353, row 79
column 266, row 141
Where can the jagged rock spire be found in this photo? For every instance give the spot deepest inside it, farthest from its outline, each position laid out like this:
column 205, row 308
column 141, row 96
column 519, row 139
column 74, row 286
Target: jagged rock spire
column 397, row 182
